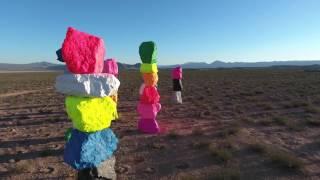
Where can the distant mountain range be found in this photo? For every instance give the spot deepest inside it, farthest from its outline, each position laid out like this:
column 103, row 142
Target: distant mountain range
column 37, row 66
column 46, row 66
column 221, row 64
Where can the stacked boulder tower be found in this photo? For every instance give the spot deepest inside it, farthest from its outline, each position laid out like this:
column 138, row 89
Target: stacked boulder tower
column 176, row 75
column 149, row 105
column 91, row 104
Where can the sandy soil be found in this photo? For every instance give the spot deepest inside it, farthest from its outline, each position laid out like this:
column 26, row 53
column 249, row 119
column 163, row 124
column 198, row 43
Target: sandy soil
column 9, row 72
column 17, row 93
column 228, row 110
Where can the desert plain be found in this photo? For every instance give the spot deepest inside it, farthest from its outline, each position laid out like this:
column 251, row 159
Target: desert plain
column 233, row 124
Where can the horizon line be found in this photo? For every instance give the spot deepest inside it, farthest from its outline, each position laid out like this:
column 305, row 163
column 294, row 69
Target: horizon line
column 264, row 61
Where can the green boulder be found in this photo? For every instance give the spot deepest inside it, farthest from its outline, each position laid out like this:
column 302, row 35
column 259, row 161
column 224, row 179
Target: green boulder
column 148, row 52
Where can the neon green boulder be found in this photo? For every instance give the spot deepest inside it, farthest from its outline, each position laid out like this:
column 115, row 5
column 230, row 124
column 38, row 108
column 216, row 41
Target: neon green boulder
column 91, row 114
column 149, row 68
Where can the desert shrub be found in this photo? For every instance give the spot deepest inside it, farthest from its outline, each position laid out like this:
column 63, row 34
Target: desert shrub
column 258, row 147
column 233, row 129
column 197, row 132
column 173, row 134
column 313, row 122
column 277, row 156
column 249, row 120
column 21, row 167
column 312, row 109
column 284, row 159
column 187, row 177
column 281, row 120
column 294, row 126
column 266, row 105
column 221, row 154
column 295, row 104
column 45, row 153
column 265, row 122
column 201, row 144
column 226, row 173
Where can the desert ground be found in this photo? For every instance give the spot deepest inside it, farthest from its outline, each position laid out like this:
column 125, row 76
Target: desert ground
column 233, row 124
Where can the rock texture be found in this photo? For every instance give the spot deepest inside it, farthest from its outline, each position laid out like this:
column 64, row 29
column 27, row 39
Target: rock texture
column 150, row 79
column 176, row 97
column 177, row 85
column 91, row 114
column 148, row 111
column 87, row 85
column 104, row 171
column 148, row 126
column 176, row 73
column 148, row 52
column 89, row 150
column 111, row 67
column 150, row 95
column 83, row 53
column 149, row 68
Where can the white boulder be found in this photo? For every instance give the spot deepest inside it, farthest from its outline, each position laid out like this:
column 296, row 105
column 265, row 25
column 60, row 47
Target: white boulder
column 87, row 85
column 176, row 97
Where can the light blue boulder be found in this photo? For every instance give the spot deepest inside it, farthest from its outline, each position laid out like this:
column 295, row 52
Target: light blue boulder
column 88, row 150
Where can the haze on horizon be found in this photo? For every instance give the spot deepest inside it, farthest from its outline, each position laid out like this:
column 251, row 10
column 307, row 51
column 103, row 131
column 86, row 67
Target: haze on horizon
column 184, row 31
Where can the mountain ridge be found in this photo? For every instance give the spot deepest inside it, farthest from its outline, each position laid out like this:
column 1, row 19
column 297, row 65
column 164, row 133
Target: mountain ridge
column 221, row 64
column 47, row 66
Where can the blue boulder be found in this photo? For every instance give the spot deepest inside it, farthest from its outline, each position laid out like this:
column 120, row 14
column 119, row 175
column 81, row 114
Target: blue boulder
column 88, row 150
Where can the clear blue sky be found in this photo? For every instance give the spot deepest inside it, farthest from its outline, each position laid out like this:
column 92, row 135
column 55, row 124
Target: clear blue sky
column 184, row 30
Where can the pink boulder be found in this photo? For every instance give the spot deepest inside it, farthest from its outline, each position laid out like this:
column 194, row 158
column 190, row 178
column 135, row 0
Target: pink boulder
column 110, row 66
column 83, row 53
column 148, row 126
column 149, row 95
column 148, row 111
column 176, row 73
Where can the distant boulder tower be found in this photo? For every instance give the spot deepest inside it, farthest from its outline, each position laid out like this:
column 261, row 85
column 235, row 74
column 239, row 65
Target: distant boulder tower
column 176, row 75
column 149, row 105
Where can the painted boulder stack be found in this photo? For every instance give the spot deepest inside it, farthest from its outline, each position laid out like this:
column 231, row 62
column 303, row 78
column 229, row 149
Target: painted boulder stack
column 149, row 105
column 89, row 104
column 176, row 75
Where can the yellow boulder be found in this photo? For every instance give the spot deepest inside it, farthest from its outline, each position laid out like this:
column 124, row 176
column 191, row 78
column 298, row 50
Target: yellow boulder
column 91, row 114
